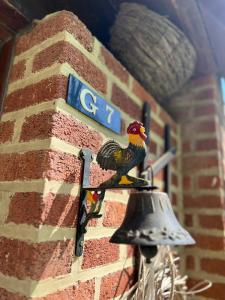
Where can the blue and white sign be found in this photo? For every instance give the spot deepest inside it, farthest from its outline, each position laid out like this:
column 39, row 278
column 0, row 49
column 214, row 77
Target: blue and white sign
column 91, row 104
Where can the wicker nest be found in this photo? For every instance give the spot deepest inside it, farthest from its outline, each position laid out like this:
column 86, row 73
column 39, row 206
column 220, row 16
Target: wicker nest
column 153, row 49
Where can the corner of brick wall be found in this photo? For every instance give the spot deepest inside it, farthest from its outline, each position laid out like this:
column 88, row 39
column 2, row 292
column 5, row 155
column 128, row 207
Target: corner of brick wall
column 41, row 137
column 200, row 113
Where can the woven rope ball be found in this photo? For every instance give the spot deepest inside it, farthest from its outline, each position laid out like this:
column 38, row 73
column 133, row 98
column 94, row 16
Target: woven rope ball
column 153, row 49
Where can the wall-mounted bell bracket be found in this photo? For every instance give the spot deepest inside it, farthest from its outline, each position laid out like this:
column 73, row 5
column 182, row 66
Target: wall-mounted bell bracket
column 91, row 198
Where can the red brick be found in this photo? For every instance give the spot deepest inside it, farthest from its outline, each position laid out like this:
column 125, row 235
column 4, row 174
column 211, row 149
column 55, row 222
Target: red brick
column 45, row 90
column 62, row 52
column 79, row 291
column 191, row 282
column 7, row 295
column 36, row 261
column 190, row 262
column 216, row 291
column 62, row 166
column 206, row 126
column 113, row 214
column 196, row 163
column 188, row 220
column 209, row 182
column 153, row 148
column 167, row 119
column 61, row 21
column 174, row 180
column 209, row 242
column 143, row 95
column 114, row 65
column 195, row 126
column 186, row 147
column 50, row 123
column 22, row 166
column 36, row 209
column 216, row 266
column 99, row 252
column 206, row 144
column 157, row 128
column 116, row 284
column 206, row 110
column 174, row 162
column 6, row 131
column 132, row 250
column 17, row 71
column 182, row 115
column 42, row 126
column 38, row 164
column 124, row 102
column 186, row 183
column 208, row 93
column 212, row 222
column 206, row 201
column 174, row 199
column 47, row 164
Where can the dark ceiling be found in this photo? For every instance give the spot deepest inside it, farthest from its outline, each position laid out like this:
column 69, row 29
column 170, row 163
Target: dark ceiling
column 203, row 21
column 98, row 15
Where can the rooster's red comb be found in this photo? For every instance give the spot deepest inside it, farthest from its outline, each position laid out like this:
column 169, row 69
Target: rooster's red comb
column 134, row 125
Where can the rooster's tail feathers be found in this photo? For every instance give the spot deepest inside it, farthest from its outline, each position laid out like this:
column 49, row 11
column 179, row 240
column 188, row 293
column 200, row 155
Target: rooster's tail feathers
column 105, row 156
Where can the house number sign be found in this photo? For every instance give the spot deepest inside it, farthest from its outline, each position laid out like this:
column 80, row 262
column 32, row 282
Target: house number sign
column 91, row 104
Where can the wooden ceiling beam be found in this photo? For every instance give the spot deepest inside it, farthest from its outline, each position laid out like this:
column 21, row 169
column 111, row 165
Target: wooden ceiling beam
column 193, row 25
column 12, row 17
column 213, row 15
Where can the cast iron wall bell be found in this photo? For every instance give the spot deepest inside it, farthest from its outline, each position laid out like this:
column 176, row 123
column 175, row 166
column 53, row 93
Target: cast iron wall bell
column 149, row 219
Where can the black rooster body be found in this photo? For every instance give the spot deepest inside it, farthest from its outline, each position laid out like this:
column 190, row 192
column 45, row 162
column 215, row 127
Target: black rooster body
column 113, row 157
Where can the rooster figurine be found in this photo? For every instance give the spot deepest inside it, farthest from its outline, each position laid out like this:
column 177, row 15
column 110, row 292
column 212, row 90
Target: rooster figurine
column 112, row 157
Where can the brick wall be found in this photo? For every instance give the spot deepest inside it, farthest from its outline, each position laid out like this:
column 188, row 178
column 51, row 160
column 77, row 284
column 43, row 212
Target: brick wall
column 41, row 137
column 199, row 110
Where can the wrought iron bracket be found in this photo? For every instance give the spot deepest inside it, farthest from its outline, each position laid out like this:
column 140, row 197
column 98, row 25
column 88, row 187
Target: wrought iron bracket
column 93, row 211
column 85, row 214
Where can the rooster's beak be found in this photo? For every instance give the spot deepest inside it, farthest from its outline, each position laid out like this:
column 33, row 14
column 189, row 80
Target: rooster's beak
column 142, row 133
